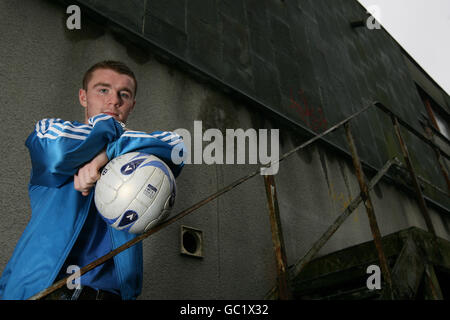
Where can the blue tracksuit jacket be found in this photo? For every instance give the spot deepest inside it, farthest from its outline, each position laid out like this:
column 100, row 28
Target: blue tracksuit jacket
column 57, row 149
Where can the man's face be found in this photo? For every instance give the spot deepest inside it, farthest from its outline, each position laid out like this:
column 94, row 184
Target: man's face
column 108, row 92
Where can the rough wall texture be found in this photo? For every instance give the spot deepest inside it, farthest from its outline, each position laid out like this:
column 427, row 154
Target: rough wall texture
column 267, row 49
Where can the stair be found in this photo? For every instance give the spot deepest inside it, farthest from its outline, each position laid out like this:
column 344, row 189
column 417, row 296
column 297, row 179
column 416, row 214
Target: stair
column 419, row 265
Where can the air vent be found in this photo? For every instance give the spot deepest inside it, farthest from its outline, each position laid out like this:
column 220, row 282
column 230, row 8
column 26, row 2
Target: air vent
column 191, row 242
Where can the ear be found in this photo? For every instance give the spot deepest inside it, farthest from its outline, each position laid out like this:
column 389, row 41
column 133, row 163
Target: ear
column 82, row 96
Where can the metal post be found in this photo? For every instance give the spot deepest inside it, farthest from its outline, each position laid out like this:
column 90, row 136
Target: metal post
column 420, row 199
column 369, row 208
column 432, row 287
column 277, row 238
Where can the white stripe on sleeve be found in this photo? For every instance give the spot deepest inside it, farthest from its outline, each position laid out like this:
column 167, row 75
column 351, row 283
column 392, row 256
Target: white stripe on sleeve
column 170, row 137
column 100, row 117
column 176, row 142
column 72, row 128
column 62, row 134
column 46, row 128
column 140, row 134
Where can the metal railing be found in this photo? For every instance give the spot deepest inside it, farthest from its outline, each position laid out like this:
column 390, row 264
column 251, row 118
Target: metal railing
column 285, row 273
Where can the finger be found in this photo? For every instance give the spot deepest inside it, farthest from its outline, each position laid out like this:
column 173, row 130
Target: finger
column 94, row 175
column 76, row 182
column 91, row 175
column 80, row 183
column 87, row 179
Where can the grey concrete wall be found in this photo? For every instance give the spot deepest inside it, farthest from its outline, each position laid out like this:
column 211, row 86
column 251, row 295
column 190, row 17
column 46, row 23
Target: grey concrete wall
column 41, row 66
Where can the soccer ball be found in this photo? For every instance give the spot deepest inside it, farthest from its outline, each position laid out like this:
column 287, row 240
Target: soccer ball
column 135, row 192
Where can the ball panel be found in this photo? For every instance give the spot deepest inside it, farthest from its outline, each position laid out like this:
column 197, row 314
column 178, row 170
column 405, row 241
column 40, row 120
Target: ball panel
column 106, row 189
column 125, row 165
column 126, row 224
column 111, row 178
column 99, row 191
column 126, row 194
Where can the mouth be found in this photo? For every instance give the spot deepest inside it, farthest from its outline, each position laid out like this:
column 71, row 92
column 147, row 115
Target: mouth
column 112, row 114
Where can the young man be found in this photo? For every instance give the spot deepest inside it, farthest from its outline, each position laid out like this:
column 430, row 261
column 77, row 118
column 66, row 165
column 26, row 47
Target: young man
column 65, row 228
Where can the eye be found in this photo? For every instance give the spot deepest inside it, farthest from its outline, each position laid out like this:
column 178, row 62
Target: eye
column 125, row 95
column 103, row 90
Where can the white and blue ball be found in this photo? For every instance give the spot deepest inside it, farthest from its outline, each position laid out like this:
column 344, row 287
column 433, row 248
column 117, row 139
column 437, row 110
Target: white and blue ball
column 135, row 192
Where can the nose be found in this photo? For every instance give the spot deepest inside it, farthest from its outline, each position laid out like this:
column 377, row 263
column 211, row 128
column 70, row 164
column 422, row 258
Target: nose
column 115, row 99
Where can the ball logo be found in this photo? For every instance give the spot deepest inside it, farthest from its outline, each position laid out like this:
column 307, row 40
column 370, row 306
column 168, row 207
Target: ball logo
column 129, row 217
column 150, row 191
column 129, row 168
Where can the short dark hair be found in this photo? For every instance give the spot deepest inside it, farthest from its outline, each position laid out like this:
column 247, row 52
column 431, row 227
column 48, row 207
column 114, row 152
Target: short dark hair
column 116, row 66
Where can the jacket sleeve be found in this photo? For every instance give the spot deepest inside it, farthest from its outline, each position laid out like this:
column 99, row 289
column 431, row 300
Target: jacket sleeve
column 58, row 148
column 168, row 146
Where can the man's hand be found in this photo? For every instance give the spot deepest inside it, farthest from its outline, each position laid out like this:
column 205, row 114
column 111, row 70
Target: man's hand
column 88, row 174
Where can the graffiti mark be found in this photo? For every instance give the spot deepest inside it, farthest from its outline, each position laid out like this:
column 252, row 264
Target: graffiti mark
column 311, row 116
